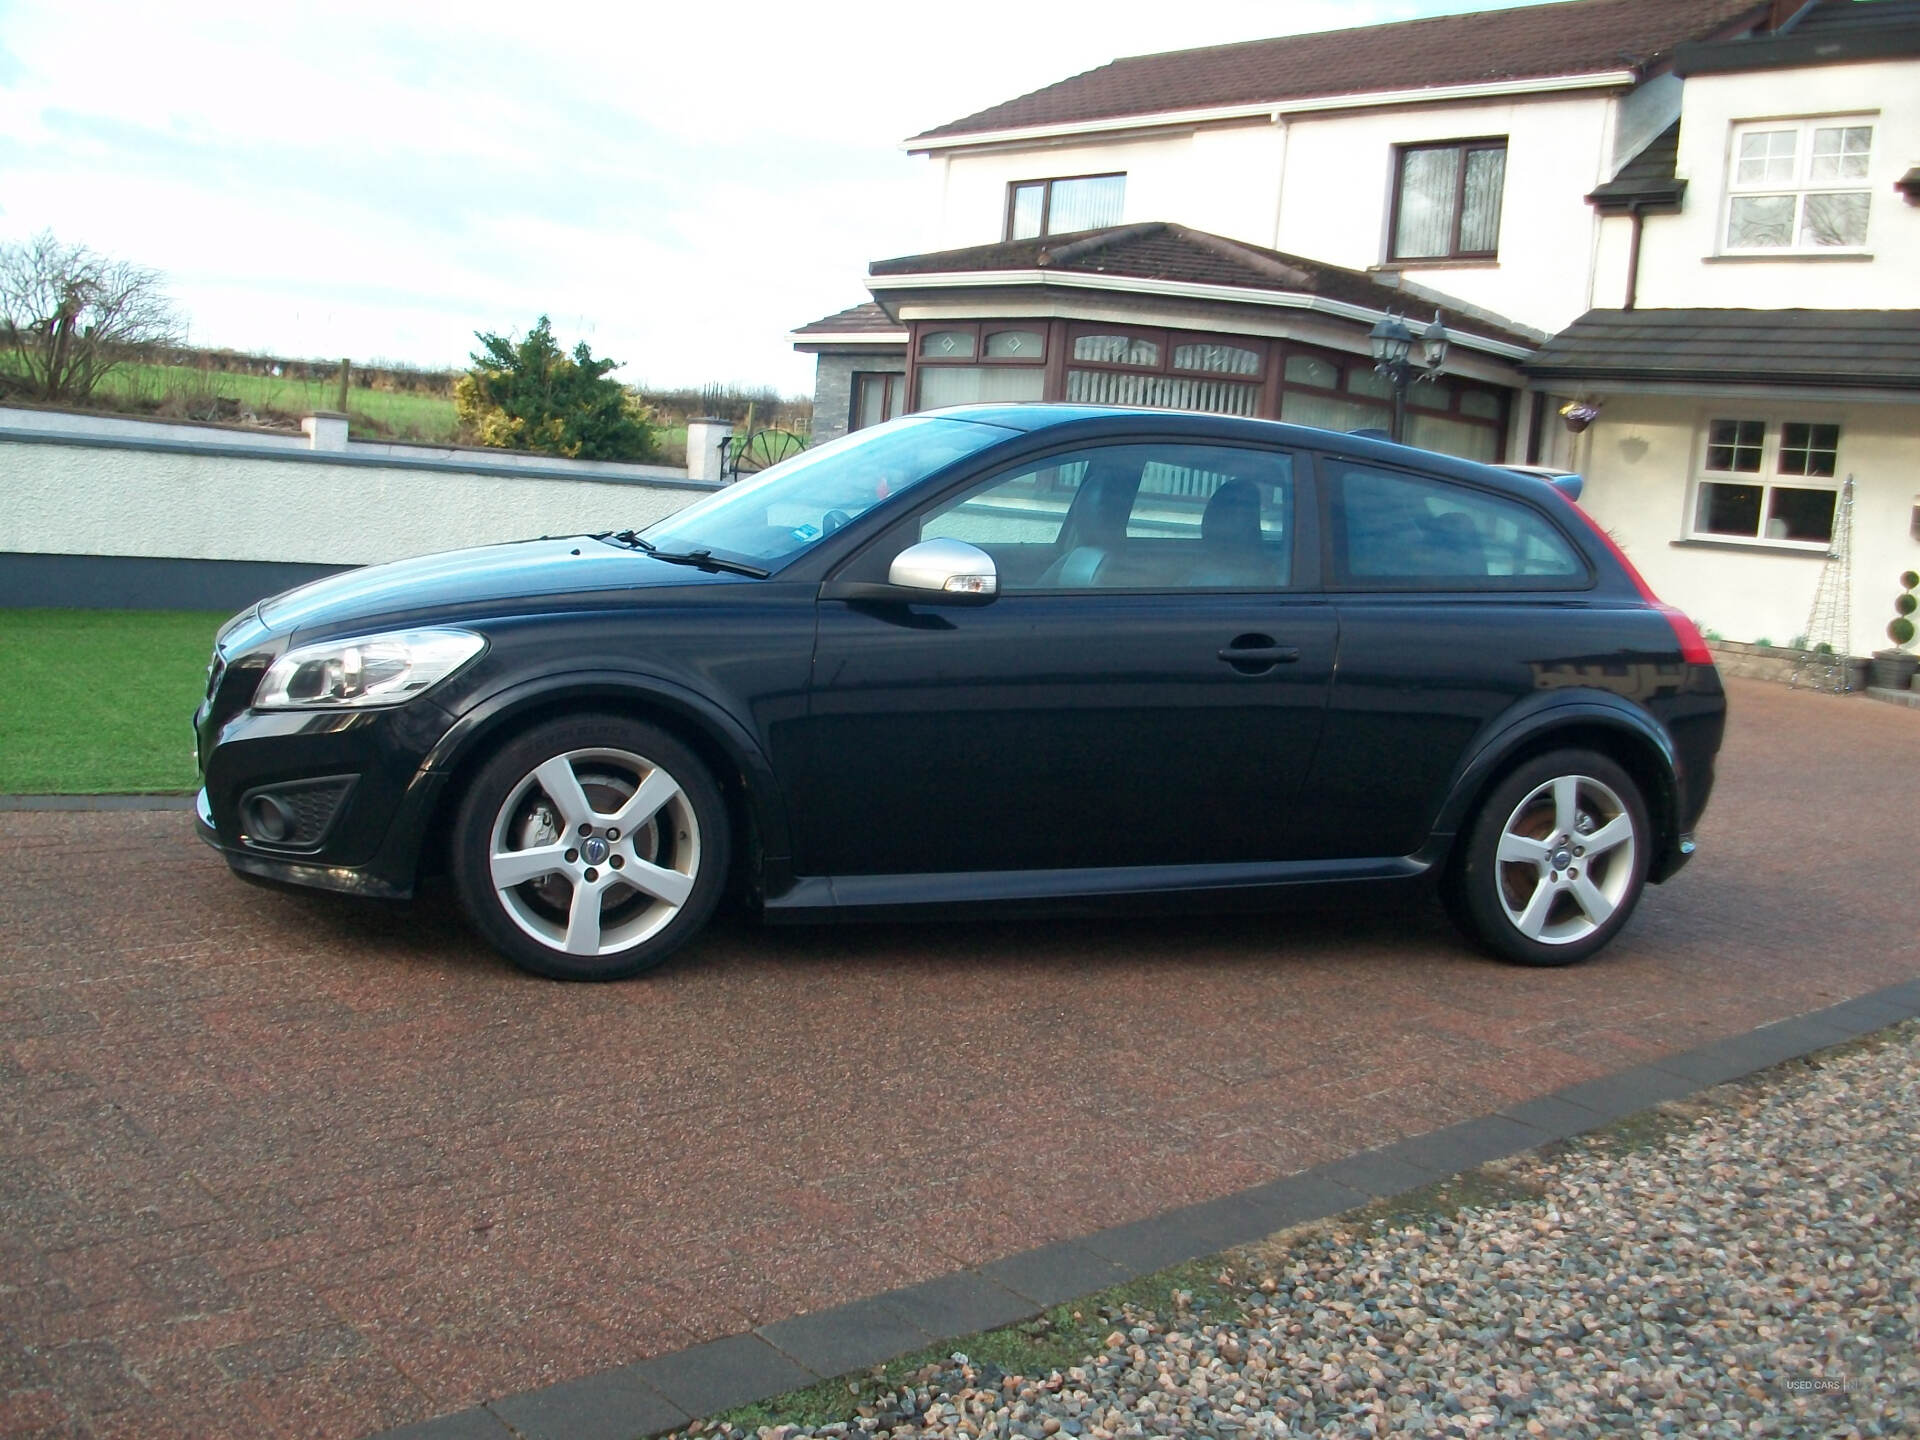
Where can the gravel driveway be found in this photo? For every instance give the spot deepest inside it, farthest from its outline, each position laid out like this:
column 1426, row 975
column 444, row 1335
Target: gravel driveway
column 1751, row 1273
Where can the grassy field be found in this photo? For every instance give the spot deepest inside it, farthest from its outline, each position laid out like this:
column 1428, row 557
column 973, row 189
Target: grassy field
column 194, row 392
column 371, row 414
column 96, row 701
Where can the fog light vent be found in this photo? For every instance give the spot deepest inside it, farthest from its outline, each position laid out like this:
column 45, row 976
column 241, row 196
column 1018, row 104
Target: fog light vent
column 295, row 816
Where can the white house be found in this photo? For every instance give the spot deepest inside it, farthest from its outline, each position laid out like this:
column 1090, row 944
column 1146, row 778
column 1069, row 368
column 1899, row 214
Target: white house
column 1759, row 345
column 1589, row 193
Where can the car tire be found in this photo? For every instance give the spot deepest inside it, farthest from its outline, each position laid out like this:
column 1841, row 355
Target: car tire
column 590, row 848
column 1555, row 860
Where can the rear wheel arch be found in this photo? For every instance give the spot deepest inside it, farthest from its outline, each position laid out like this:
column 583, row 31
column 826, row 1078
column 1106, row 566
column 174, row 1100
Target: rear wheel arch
column 1626, row 743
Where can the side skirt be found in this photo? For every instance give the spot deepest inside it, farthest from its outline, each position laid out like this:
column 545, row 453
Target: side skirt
column 1067, row 892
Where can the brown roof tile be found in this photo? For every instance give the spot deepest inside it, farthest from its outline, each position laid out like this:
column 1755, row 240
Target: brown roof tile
column 1157, row 250
column 862, row 319
column 1877, row 348
column 1573, row 37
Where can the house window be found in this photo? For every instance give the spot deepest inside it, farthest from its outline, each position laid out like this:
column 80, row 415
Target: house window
column 1768, row 482
column 975, row 364
column 876, row 399
column 1130, row 367
column 1446, row 200
column 1345, row 393
column 1055, row 207
column 1799, row 186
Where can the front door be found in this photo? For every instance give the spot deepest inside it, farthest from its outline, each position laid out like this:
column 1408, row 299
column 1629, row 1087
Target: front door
column 1148, row 689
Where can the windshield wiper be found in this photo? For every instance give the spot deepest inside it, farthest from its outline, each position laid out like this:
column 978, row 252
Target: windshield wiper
column 704, row 560
column 630, row 538
column 699, row 559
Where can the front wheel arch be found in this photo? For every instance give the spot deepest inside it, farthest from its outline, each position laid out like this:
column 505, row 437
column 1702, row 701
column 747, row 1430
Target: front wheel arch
column 754, row 814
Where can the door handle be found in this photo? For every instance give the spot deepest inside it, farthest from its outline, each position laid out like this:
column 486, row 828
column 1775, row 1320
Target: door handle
column 1261, row 655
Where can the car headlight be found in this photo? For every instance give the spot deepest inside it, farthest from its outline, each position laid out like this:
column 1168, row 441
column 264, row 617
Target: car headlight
column 366, row 670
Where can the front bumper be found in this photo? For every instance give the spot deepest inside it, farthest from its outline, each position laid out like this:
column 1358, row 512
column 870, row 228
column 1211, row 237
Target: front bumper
column 356, row 783
column 345, row 878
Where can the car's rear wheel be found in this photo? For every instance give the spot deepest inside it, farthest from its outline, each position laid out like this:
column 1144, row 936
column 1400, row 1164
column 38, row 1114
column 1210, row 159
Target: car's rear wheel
column 590, row 848
column 1555, row 860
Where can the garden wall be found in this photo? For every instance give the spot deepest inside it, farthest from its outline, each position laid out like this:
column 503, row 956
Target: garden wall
column 111, row 513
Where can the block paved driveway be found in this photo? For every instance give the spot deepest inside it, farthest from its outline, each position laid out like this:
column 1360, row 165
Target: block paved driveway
column 303, row 1166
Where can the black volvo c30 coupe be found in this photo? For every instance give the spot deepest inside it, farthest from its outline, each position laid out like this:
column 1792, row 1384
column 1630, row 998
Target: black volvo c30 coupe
column 1003, row 657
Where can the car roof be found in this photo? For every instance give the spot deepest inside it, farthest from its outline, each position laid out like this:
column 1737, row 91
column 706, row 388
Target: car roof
column 1038, row 418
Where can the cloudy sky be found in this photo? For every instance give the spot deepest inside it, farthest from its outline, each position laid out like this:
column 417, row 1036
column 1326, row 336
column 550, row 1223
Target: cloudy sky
column 678, row 184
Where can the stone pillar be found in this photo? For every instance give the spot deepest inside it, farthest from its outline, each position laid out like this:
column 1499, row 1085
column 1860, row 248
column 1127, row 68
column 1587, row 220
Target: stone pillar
column 703, row 447
column 326, row 430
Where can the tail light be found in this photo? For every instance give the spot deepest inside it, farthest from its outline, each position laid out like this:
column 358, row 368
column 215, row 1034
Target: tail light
column 1693, row 645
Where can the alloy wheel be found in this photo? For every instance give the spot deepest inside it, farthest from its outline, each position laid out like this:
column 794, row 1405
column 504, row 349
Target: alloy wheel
column 594, row 851
column 1565, row 860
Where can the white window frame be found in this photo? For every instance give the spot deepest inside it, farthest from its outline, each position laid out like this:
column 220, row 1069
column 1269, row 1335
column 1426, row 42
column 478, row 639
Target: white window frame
column 1767, row 478
column 1800, row 186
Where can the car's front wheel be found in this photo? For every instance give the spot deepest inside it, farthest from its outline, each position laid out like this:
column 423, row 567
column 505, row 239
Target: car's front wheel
column 1555, row 861
column 590, row 848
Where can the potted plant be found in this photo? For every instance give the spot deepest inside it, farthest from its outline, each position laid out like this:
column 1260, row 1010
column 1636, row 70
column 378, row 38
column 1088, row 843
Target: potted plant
column 1579, row 414
column 1893, row 669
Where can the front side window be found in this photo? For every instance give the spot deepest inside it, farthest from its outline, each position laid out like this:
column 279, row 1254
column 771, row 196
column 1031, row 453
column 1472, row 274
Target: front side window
column 1447, row 200
column 1770, row 482
column 1394, row 531
column 785, row 510
column 1058, row 207
column 1799, row 186
column 1133, row 517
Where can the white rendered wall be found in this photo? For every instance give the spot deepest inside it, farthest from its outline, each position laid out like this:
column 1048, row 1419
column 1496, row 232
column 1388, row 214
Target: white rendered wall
column 1223, row 179
column 1322, row 187
column 108, row 497
column 1638, row 459
column 1339, row 197
column 1676, row 267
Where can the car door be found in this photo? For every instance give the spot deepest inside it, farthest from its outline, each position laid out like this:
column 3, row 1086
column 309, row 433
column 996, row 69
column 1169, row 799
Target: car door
column 1454, row 602
column 1147, row 689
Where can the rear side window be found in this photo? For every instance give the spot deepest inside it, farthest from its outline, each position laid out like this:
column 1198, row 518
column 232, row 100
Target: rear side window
column 1393, row 531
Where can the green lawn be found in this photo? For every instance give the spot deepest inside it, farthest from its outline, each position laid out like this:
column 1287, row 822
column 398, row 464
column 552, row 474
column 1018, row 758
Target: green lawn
column 100, row 700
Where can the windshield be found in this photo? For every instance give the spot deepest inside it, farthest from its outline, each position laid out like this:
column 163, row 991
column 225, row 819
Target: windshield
column 780, row 512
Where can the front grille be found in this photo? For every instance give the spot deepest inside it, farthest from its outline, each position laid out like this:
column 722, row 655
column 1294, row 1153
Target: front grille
column 293, row 816
column 230, row 688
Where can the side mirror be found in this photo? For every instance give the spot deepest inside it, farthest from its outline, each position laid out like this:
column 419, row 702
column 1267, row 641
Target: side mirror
column 934, row 572
column 949, row 568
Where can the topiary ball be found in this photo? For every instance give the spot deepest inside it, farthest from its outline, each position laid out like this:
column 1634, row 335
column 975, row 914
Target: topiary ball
column 1910, row 578
column 1900, row 630
column 1906, row 604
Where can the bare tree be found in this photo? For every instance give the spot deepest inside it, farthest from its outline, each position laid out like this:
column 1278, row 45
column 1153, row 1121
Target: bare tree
column 70, row 315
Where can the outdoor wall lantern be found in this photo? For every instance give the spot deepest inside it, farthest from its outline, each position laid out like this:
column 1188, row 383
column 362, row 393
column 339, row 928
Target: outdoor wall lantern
column 1392, row 345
